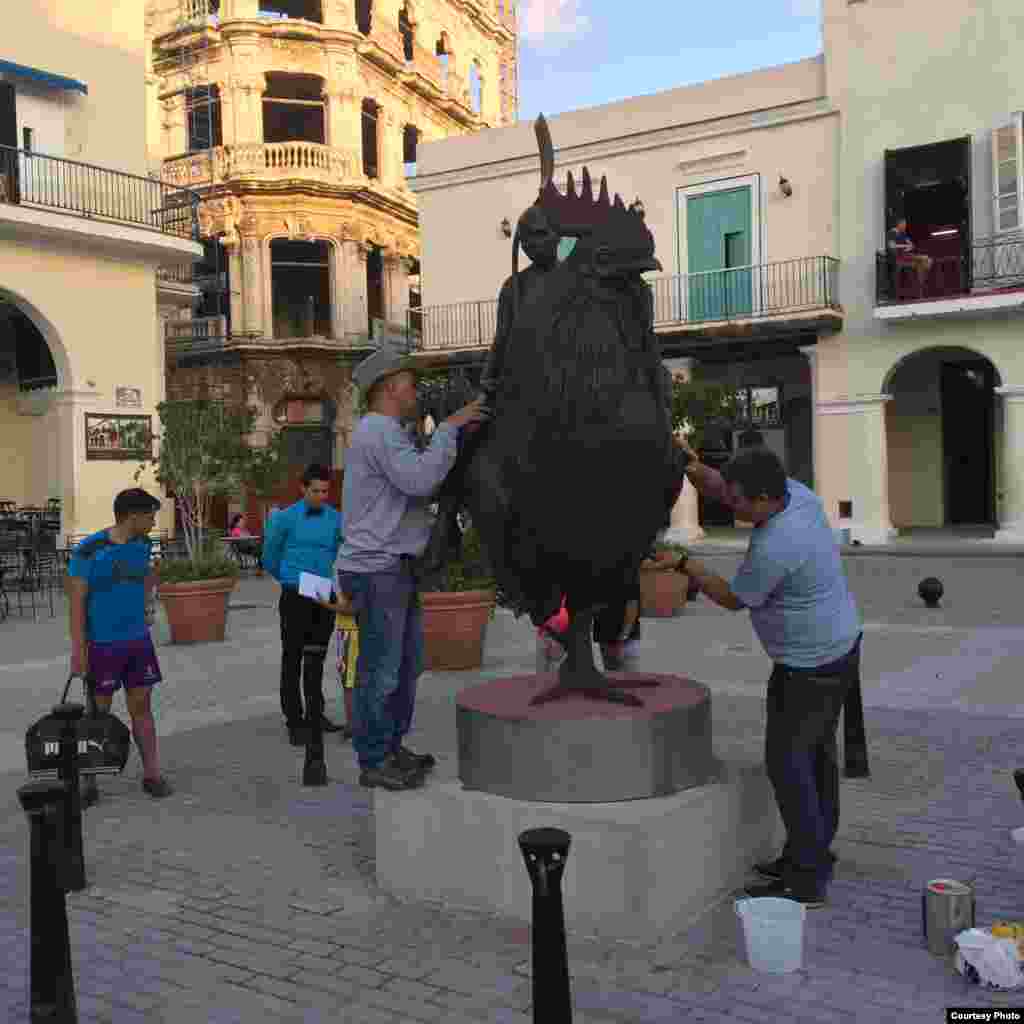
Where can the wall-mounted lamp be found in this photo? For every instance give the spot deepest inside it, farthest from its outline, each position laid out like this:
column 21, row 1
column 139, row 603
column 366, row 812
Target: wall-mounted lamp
column 506, row 227
column 785, row 188
column 637, row 207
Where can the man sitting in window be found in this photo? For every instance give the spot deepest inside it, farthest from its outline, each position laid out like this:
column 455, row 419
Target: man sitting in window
column 901, row 249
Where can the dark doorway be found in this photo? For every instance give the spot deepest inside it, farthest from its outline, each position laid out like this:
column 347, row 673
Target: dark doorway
column 300, row 279
column 364, row 16
column 9, row 139
column 968, row 410
column 374, row 287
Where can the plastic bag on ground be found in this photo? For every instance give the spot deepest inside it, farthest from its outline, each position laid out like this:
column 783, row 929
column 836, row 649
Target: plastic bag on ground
column 995, row 961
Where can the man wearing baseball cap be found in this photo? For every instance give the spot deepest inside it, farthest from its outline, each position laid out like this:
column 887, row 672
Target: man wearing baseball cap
column 109, row 577
column 389, row 485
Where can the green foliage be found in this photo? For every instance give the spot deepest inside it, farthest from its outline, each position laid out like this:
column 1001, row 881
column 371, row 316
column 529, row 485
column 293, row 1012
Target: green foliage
column 204, row 453
column 698, row 403
column 185, row 570
column 469, row 572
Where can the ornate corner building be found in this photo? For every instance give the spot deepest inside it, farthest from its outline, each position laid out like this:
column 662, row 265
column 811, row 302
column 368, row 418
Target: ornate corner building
column 297, row 122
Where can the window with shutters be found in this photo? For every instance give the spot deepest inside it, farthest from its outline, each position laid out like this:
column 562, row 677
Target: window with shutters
column 1008, row 164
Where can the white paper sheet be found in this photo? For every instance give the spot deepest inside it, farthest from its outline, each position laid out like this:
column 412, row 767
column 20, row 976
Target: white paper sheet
column 317, row 587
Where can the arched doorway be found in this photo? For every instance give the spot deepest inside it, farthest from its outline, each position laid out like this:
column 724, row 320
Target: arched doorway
column 31, row 370
column 941, row 436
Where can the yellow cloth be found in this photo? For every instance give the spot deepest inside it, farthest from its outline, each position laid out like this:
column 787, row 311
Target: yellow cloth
column 348, row 648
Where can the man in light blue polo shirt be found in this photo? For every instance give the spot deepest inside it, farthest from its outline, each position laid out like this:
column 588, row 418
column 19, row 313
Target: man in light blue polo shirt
column 792, row 581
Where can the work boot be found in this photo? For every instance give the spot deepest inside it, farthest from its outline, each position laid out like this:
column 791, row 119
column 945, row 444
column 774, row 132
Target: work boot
column 411, row 762
column 773, row 868
column 390, row 774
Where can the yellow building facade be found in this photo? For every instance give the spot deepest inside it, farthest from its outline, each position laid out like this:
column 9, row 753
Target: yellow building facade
column 299, row 123
column 83, row 235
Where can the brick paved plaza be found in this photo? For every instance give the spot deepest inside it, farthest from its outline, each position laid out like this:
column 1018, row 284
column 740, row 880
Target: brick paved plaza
column 248, row 898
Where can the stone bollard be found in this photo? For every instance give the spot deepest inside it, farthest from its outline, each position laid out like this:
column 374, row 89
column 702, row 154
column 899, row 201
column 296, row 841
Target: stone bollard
column 73, row 861
column 545, row 850
column 314, row 771
column 52, row 981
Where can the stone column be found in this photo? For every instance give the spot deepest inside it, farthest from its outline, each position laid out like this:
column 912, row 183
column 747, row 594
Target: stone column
column 176, row 125
column 351, row 288
column 236, row 281
column 390, row 140
column 70, row 407
column 853, row 465
column 685, row 527
column 340, row 15
column 252, row 288
column 344, row 123
column 1011, row 471
column 396, row 282
column 811, row 354
column 247, row 106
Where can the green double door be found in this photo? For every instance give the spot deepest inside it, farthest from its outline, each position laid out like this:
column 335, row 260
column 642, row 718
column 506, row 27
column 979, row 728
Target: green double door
column 718, row 248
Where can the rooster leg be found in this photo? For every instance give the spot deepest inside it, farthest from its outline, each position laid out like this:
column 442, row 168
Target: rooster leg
column 579, row 674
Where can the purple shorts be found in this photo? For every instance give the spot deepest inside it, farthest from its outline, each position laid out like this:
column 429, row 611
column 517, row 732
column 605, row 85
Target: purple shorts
column 128, row 663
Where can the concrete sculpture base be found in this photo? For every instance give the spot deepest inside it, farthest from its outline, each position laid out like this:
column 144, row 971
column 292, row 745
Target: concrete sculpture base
column 577, row 749
column 637, row 868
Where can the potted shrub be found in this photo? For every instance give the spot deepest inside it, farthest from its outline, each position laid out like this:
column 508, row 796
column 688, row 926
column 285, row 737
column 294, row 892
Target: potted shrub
column 457, row 605
column 663, row 591
column 203, row 453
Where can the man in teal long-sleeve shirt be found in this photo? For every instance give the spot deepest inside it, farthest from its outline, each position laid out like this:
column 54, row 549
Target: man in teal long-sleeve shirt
column 304, row 537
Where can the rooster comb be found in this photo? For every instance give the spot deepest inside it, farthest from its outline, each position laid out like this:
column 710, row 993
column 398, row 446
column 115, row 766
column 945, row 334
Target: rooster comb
column 575, row 213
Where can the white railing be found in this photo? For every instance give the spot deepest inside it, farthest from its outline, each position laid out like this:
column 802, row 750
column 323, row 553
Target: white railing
column 311, row 161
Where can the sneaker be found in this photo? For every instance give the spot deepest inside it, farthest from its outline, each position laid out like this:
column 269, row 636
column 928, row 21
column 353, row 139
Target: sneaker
column 409, row 761
column 780, row 890
column 774, row 868
column 390, row 775
column 157, row 787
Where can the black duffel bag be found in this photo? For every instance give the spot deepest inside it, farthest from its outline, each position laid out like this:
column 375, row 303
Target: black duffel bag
column 104, row 741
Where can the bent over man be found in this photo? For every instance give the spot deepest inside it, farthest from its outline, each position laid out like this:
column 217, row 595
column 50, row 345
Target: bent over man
column 792, row 581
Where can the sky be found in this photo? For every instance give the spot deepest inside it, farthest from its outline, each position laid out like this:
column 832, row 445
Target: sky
column 582, row 53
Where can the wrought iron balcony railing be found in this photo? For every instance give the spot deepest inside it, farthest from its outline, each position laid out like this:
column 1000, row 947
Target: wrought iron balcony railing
column 456, row 325
column 985, row 266
column 746, row 293
column 742, row 293
column 96, row 193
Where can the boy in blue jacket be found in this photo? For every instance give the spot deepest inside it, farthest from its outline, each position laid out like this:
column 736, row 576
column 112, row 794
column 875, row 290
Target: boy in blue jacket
column 304, row 537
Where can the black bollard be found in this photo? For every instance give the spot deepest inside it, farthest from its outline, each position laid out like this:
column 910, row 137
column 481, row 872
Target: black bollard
column 314, row 771
column 930, row 591
column 53, row 983
column 72, row 864
column 545, row 850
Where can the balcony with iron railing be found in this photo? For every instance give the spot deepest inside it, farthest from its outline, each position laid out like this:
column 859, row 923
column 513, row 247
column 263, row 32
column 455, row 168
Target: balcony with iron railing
column 985, row 274
column 199, row 338
column 32, row 180
column 788, row 297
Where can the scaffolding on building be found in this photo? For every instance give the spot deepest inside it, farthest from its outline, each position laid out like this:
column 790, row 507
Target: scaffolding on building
column 199, row 106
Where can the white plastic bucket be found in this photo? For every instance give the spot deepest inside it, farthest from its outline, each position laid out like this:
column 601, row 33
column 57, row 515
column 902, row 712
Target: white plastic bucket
column 774, row 930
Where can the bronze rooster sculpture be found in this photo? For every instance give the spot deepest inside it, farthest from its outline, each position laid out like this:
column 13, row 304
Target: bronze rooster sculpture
column 577, row 471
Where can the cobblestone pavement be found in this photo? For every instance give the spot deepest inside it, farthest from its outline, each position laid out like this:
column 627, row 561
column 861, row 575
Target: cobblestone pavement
column 246, row 897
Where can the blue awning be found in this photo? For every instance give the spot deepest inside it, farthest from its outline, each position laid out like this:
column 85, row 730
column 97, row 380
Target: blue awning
column 46, row 77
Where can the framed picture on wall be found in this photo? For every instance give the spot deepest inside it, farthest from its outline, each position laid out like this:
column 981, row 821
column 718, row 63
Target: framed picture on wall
column 127, row 438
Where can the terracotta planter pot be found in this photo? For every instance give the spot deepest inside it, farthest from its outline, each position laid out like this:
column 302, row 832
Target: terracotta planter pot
column 197, row 611
column 454, row 626
column 662, row 592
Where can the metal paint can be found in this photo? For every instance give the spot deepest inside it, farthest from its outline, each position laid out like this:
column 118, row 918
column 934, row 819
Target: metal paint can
column 947, row 908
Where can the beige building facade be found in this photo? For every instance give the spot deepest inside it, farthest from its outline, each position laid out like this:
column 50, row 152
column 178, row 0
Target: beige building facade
column 83, row 236
column 770, row 196
column 299, row 122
